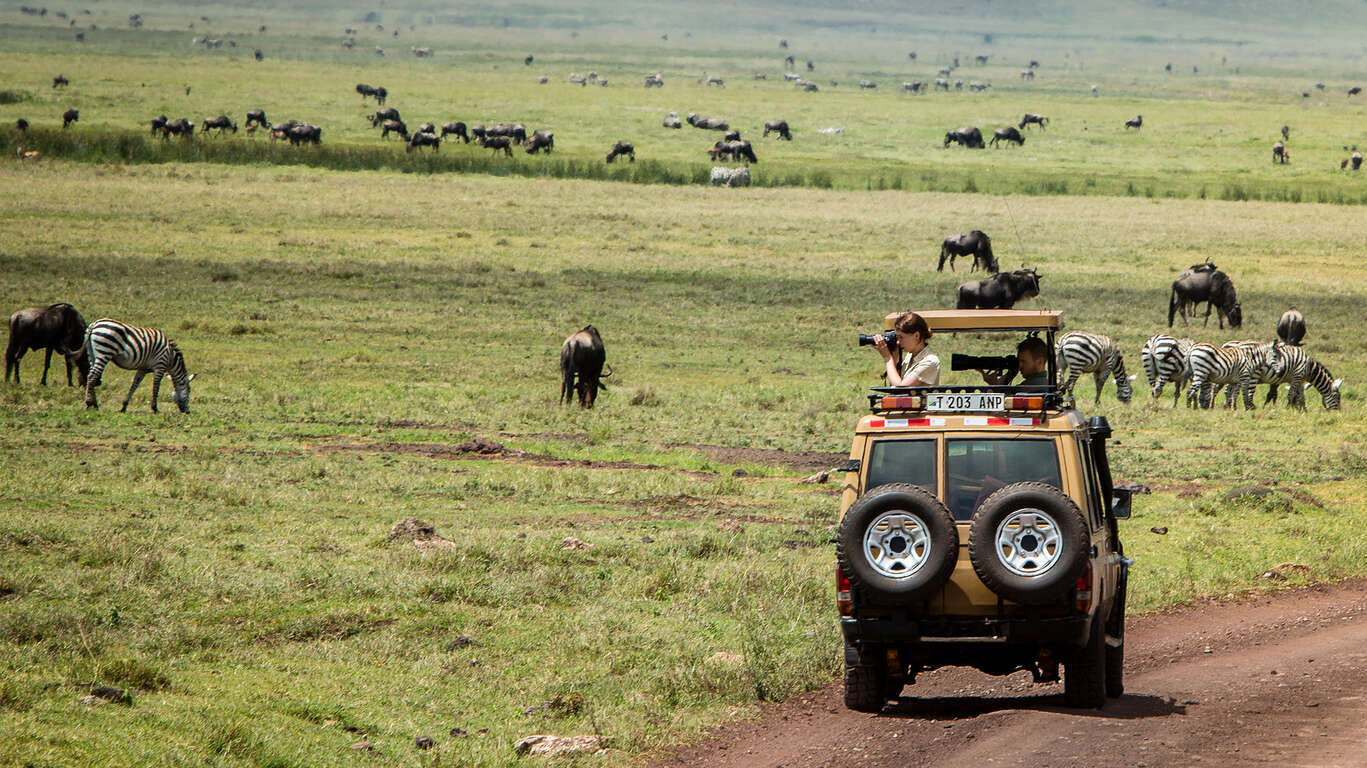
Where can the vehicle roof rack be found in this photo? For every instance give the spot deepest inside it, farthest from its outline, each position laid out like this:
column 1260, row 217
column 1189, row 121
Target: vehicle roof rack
column 973, row 320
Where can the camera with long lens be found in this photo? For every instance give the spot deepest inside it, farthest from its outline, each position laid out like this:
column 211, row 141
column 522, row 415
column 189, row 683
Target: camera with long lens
column 867, row 339
column 1007, row 363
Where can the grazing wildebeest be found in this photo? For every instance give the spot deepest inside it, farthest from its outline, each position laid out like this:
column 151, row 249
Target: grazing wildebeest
column 381, row 115
column 1356, row 160
column 1136, row 123
column 159, row 124
column 1034, row 64
column 717, row 81
column 528, row 61
column 761, row 75
column 672, row 120
column 780, row 127
column 978, row 86
column 1009, row 133
column 1000, row 291
column 789, row 61
column 258, row 55
column 1291, row 327
column 868, row 85
column 707, row 123
column 257, row 117
column 424, row 139
column 543, row 79
column 421, row 53
column 517, row 134
column 810, row 66
column 1209, row 285
column 541, row 139
column 54, row 327
column 1279, row 153
column 222, row 123
column 622, row 148
column 578, row 79
column 426, row 128
column 394, row 126
column 1031, row 117
column 941, row 84
column 60, row 81
column 70, row 116
column 980, row 60
column 732, row 135
column 496, row 143
column 366, row 91
column 582, row 358
column 1286, row 133
column 178, row 127
column 21, row 125
column 914, row 86
column 654, row 81
column 977, row 243
column 736, row 150
column 810, row 87
column 458, row 128
column 968, row 137
column 304, row 132
column 1355, row 90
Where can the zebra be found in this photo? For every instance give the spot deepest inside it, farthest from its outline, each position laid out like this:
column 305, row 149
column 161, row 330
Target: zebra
column 1288, row 369
column 1317, row 376
column 1211, row 368
column 139, row 350
column 1165, row 359
column 1095, row 354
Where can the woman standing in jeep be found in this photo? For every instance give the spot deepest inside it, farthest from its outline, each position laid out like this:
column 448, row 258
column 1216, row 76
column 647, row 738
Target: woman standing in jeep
column 919, row 367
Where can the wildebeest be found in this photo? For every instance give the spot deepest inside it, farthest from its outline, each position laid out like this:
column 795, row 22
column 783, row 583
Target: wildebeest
column 1136, row 123
column 178, row 127
column 582, row 358
column 1203, row 282
column 622, row 148
column 1031, row 117
column 968, row 137
column 1291, row 327
column 736, row 150
column 654, row 81
column 730, row 177
column 60, row 81
column 70, row 116
column 672, row 120
column 780, row 127
column 158, row 124
column 543, row 79
column 941, row 84
column 426, row 128
column 542, row 139
column 257, row 117
column 789, row 61
column 528, row 61
column 421, row 53
column 303, row 132
column 978, row 86
column 1356, row 160
column 1279, row 154
column 516, row 133
column 54, row 327
column 913, row 87
column 868, row 85
column 393, row 126
column 21, row 125
column 1009, row 133
column 1355, row 90
column 381, row 115
column 707, row 123
column 379, row 92
column 1286, row 133
column 458, row 128
column 717, row 81
column 732, row 135
column 980, row 60
column 424, row 139
column 578, row 79
column 1000, row 291
column 222, row 123
column 976, row 242
column 496, row 143
column 1027, row 74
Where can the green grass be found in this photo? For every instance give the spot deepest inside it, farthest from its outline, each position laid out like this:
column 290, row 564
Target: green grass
column 353, row 313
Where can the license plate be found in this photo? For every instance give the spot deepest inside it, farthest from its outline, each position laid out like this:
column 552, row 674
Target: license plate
column 967, row 401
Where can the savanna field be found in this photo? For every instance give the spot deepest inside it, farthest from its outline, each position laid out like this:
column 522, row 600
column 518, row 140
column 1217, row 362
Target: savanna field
column 355, row 314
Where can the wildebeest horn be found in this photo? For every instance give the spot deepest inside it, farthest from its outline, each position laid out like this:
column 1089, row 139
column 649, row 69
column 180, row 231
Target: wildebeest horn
column 609, row 373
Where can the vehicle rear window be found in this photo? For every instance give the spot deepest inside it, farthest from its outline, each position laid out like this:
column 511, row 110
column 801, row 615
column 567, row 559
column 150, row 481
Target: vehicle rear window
column 977, row 467
column 902, row 461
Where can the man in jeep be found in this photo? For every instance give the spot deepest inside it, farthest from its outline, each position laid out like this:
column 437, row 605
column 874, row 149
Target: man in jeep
column 1032, row 356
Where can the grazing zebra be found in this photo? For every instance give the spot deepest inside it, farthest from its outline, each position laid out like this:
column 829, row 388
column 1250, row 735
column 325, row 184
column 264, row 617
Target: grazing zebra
column 1319, row 377
column 1095, row 354
column 1165, row 359
column 139, row 350
column 1211, row 368
column 1291, row 370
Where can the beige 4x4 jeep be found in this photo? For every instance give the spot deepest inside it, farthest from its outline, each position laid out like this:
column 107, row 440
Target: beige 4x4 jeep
column 978, row 528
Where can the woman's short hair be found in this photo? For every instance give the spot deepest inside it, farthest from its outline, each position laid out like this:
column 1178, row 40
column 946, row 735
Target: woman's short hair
column 910, row 322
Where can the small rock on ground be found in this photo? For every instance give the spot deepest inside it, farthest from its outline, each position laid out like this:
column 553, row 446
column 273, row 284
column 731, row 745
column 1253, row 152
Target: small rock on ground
column 552, row 746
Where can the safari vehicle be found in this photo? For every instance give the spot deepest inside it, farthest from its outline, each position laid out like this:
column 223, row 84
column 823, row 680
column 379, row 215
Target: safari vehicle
column 978, row 528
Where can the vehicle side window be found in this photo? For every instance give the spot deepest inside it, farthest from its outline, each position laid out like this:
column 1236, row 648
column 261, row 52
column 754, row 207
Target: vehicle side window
column 902, row 461
column 977, row 467
column 1095, row 509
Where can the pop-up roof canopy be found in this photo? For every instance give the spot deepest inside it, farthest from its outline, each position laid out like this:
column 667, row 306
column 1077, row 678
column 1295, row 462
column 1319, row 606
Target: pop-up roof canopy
column 959, row 320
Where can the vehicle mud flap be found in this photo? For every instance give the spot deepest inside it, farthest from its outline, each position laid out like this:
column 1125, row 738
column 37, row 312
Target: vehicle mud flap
column 1115, row 639
column 897, row 544
column 1029, row 543
column 1084, row 673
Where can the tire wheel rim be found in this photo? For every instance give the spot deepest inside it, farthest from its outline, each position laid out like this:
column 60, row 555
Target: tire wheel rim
column 1029, row 543
column 897, row 544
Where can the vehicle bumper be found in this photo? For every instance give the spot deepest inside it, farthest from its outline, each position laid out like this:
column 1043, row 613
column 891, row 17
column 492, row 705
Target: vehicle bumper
column 1067, row 630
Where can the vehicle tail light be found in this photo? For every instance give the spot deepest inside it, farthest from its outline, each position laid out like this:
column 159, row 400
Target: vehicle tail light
column 1026, row 403
column 1084, row 589
column 842, row 593
column 901, row 403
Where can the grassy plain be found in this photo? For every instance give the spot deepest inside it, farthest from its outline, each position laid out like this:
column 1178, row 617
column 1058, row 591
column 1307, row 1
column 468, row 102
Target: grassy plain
column 350, row 328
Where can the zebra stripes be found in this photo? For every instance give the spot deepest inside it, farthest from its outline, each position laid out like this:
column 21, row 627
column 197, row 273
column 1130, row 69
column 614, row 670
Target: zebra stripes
column 1092, row 353
column 139, row 350
column 1212, row 368
column 1165, row 359
column 1290, row 370
column 1319, row 377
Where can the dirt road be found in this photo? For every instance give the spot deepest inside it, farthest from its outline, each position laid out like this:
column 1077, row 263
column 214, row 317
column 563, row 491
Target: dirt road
column 1276, row 680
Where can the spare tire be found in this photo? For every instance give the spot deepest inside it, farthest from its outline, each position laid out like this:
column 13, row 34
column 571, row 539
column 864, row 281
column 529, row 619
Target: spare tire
column 897, row 544
column 1029, row 543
